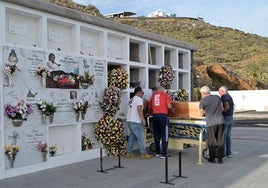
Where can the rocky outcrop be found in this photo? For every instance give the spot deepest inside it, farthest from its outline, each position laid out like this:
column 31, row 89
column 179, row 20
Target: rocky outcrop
column 217, row 75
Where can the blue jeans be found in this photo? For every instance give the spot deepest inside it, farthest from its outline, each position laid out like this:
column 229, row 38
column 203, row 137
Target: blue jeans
column 135, row 131
column 228, row 133
column 160, row 129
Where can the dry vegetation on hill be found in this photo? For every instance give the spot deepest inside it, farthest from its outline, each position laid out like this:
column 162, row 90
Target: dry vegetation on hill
column 242, row 53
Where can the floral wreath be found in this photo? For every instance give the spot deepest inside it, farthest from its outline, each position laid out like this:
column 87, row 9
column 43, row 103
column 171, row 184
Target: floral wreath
column 110, row 131
column 111, row 101
column 180, row 95
column 118, row 77
column 166, row 76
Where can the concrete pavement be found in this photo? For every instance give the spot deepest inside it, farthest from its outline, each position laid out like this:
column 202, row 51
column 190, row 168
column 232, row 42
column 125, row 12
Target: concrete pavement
column 247, row 168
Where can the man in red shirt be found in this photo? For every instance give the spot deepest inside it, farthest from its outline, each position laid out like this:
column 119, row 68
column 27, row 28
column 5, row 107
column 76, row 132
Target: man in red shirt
column 160, row 104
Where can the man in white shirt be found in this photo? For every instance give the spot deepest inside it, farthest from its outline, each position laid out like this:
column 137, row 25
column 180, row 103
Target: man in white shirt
column 135, row 123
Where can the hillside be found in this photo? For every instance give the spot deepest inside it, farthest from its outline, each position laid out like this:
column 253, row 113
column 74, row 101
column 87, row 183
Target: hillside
column 243, row 55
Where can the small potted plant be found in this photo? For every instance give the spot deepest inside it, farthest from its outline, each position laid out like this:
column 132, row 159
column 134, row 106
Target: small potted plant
column 84, row 142
column 53, row 150
column 90, row 143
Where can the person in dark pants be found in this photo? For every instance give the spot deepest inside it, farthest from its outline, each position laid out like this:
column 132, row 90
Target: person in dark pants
column 160, row 104
column 211, row 107
column 228, row 111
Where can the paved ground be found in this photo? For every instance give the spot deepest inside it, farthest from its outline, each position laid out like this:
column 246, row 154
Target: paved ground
column 247, row 168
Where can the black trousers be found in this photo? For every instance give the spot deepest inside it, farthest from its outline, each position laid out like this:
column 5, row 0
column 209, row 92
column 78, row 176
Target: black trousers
column 160, row 128
column 216, row 141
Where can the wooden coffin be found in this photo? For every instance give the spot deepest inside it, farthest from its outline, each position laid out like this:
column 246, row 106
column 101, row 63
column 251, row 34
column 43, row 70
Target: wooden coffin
column 185, row 110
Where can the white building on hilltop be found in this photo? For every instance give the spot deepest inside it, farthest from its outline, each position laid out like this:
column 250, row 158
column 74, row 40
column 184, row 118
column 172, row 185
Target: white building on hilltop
column 157, row 13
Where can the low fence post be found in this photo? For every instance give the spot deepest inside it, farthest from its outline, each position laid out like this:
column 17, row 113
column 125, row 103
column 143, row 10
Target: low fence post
column 101, row 162
column 119, row 157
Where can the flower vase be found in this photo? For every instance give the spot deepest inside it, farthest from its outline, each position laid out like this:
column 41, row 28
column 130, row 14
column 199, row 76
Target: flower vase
column 51, row 118
column 84, row 85
column 83, row 115
column 44, row 118
column 89, row 146
column 9, row 78
column 78, row 114
column 17, row 122
column 44, row 155
column 44, row 81
column 52, row 154
column 84, row 147
column 11, row 162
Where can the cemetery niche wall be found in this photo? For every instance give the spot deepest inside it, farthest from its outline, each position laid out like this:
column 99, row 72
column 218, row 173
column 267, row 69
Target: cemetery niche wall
column 57, row 84
column 54, row 60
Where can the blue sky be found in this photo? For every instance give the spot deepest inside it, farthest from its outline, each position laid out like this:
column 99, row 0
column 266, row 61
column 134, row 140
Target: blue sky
column 250, row 16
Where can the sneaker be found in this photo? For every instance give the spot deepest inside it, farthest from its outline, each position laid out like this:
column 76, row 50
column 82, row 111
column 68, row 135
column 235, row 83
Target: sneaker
column 146, row 156
column 130, row 155
column 164, row 156
column 157, row 155
column 229, row 156
column 220, row 161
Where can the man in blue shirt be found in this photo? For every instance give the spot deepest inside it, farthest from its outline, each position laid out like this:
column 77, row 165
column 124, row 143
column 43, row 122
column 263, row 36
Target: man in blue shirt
column 228, row 110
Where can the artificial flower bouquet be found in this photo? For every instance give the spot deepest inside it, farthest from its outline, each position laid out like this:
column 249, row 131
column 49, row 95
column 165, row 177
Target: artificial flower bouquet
column 166, row 76
column 111, row 101
column 43, row 71
column 42, row 146
column 118, row 77
column 11, row 151
column 80, row 106
column 86, row 78
column 19, row 111
column 46, row 107
column 10, row 69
